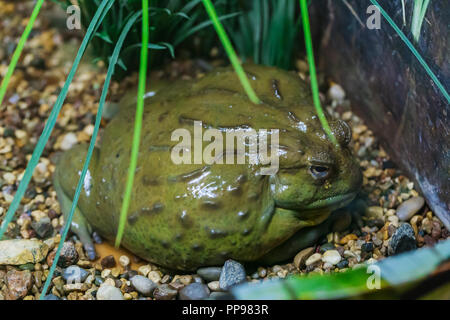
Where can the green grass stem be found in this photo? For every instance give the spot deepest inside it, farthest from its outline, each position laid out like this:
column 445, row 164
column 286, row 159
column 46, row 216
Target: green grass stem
column 137, row 123
column 230, row 51
column 312, row 72
column 19, row 49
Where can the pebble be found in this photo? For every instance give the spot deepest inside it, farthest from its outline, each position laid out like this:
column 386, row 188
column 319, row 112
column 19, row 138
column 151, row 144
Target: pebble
column 69, row 255
column 316, row 257
column 214, row 285
column 143, row 285
column 348, row 237
column 327, row 246
column 332, row 257
column 22, row 251
column 74, row 274
column 18, row 284
column 402, row 240
column 232, row 274
column 43, row 227
column 374, row 212
column 210, row 273
column 164, row 292
column 342, row 264
column 194, row 291
column 155, row 276
column 124, row 261
column 336, row 93
column 406, row 210
column 108, row 262
column 367, row 247
column 300, row 258
column 144, row 270
column 108, row 292
column 68, row 141
column 219, row 296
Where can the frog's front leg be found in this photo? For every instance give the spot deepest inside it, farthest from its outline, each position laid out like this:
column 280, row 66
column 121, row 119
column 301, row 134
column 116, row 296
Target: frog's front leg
column 79, row 225
column 302, row 239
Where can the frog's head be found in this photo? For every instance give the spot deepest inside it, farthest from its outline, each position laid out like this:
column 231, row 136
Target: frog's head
column 314, row 174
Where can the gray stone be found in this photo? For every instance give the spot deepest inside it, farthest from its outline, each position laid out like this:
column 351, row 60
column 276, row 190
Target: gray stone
column 108, row 292
column 143, row 285
column 75, row 274
column 43, row 227
column 210, row 273
column 194, row 291
column 409, row 208
column 232, row 274
column 402, row 240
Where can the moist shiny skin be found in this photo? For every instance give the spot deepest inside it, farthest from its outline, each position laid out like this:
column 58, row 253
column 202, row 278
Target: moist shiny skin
column 190, row 215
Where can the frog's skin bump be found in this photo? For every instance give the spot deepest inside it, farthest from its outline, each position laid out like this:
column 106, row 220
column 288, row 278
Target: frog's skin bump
column 190, row 215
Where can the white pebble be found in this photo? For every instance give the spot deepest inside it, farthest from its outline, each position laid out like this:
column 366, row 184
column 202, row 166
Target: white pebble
column 68, row 141
column 409, row 208
column 331, row 256
column 313, row 259
column 107, row 292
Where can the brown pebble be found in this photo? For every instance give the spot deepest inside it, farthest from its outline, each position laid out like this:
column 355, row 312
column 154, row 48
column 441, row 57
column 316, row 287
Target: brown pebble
column 108, row 262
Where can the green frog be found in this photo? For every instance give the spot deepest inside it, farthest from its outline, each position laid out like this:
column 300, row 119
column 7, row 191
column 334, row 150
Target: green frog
column 201, row 213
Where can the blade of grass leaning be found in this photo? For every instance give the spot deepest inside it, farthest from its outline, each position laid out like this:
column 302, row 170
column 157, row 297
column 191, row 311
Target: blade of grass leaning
column 19, row 49
column 416, row 53
column 312, row 72
column 137, row 123
column 230, row 51
column 109, row 74
column 105, row 5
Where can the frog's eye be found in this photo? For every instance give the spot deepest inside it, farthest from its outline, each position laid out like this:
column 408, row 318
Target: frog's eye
column 320, row 172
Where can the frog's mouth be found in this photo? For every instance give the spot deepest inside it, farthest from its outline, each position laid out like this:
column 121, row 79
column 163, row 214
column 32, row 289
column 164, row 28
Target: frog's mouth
column 333, row 202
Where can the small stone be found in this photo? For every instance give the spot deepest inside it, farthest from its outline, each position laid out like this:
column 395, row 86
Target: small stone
column 144, row 270
column 194, row 291
column 69, row 140
column 143, row 285
column 348, row 237
column 43, row 227
column 342, row 264
column 316, row 257
column 210, row 273
column 232, row 274
column 332, row 257
column 51, row 297
column 74, row 274
column 214, row 285
column 367, row 247
column 300, row 258
column 18, row 252
column 327, row 246
column 75, row 287
column 403, row 239
column 18, row 284
column 336, row 93
column 164, row 292
column 427, row 225
column 69, row 255
column 155, row 276
column 108, row 292
column 124, row 261
column 409, row 208
column 108, row 262
column 374, row 212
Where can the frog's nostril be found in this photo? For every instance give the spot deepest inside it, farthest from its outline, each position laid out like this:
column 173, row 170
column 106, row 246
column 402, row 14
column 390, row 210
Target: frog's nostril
column 320, row 172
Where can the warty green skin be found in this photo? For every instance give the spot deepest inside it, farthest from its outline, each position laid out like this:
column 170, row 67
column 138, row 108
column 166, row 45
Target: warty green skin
column 186, row 216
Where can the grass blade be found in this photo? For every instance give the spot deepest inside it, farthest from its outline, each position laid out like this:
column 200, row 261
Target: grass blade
column 137, row 123
column 414, row 51
column 18, row 51
column 109, row 74
column 312, row 71
column 230, row 51
column 51, row 120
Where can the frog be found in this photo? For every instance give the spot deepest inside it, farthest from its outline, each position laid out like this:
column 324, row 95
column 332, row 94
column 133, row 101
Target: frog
column 183, row 216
